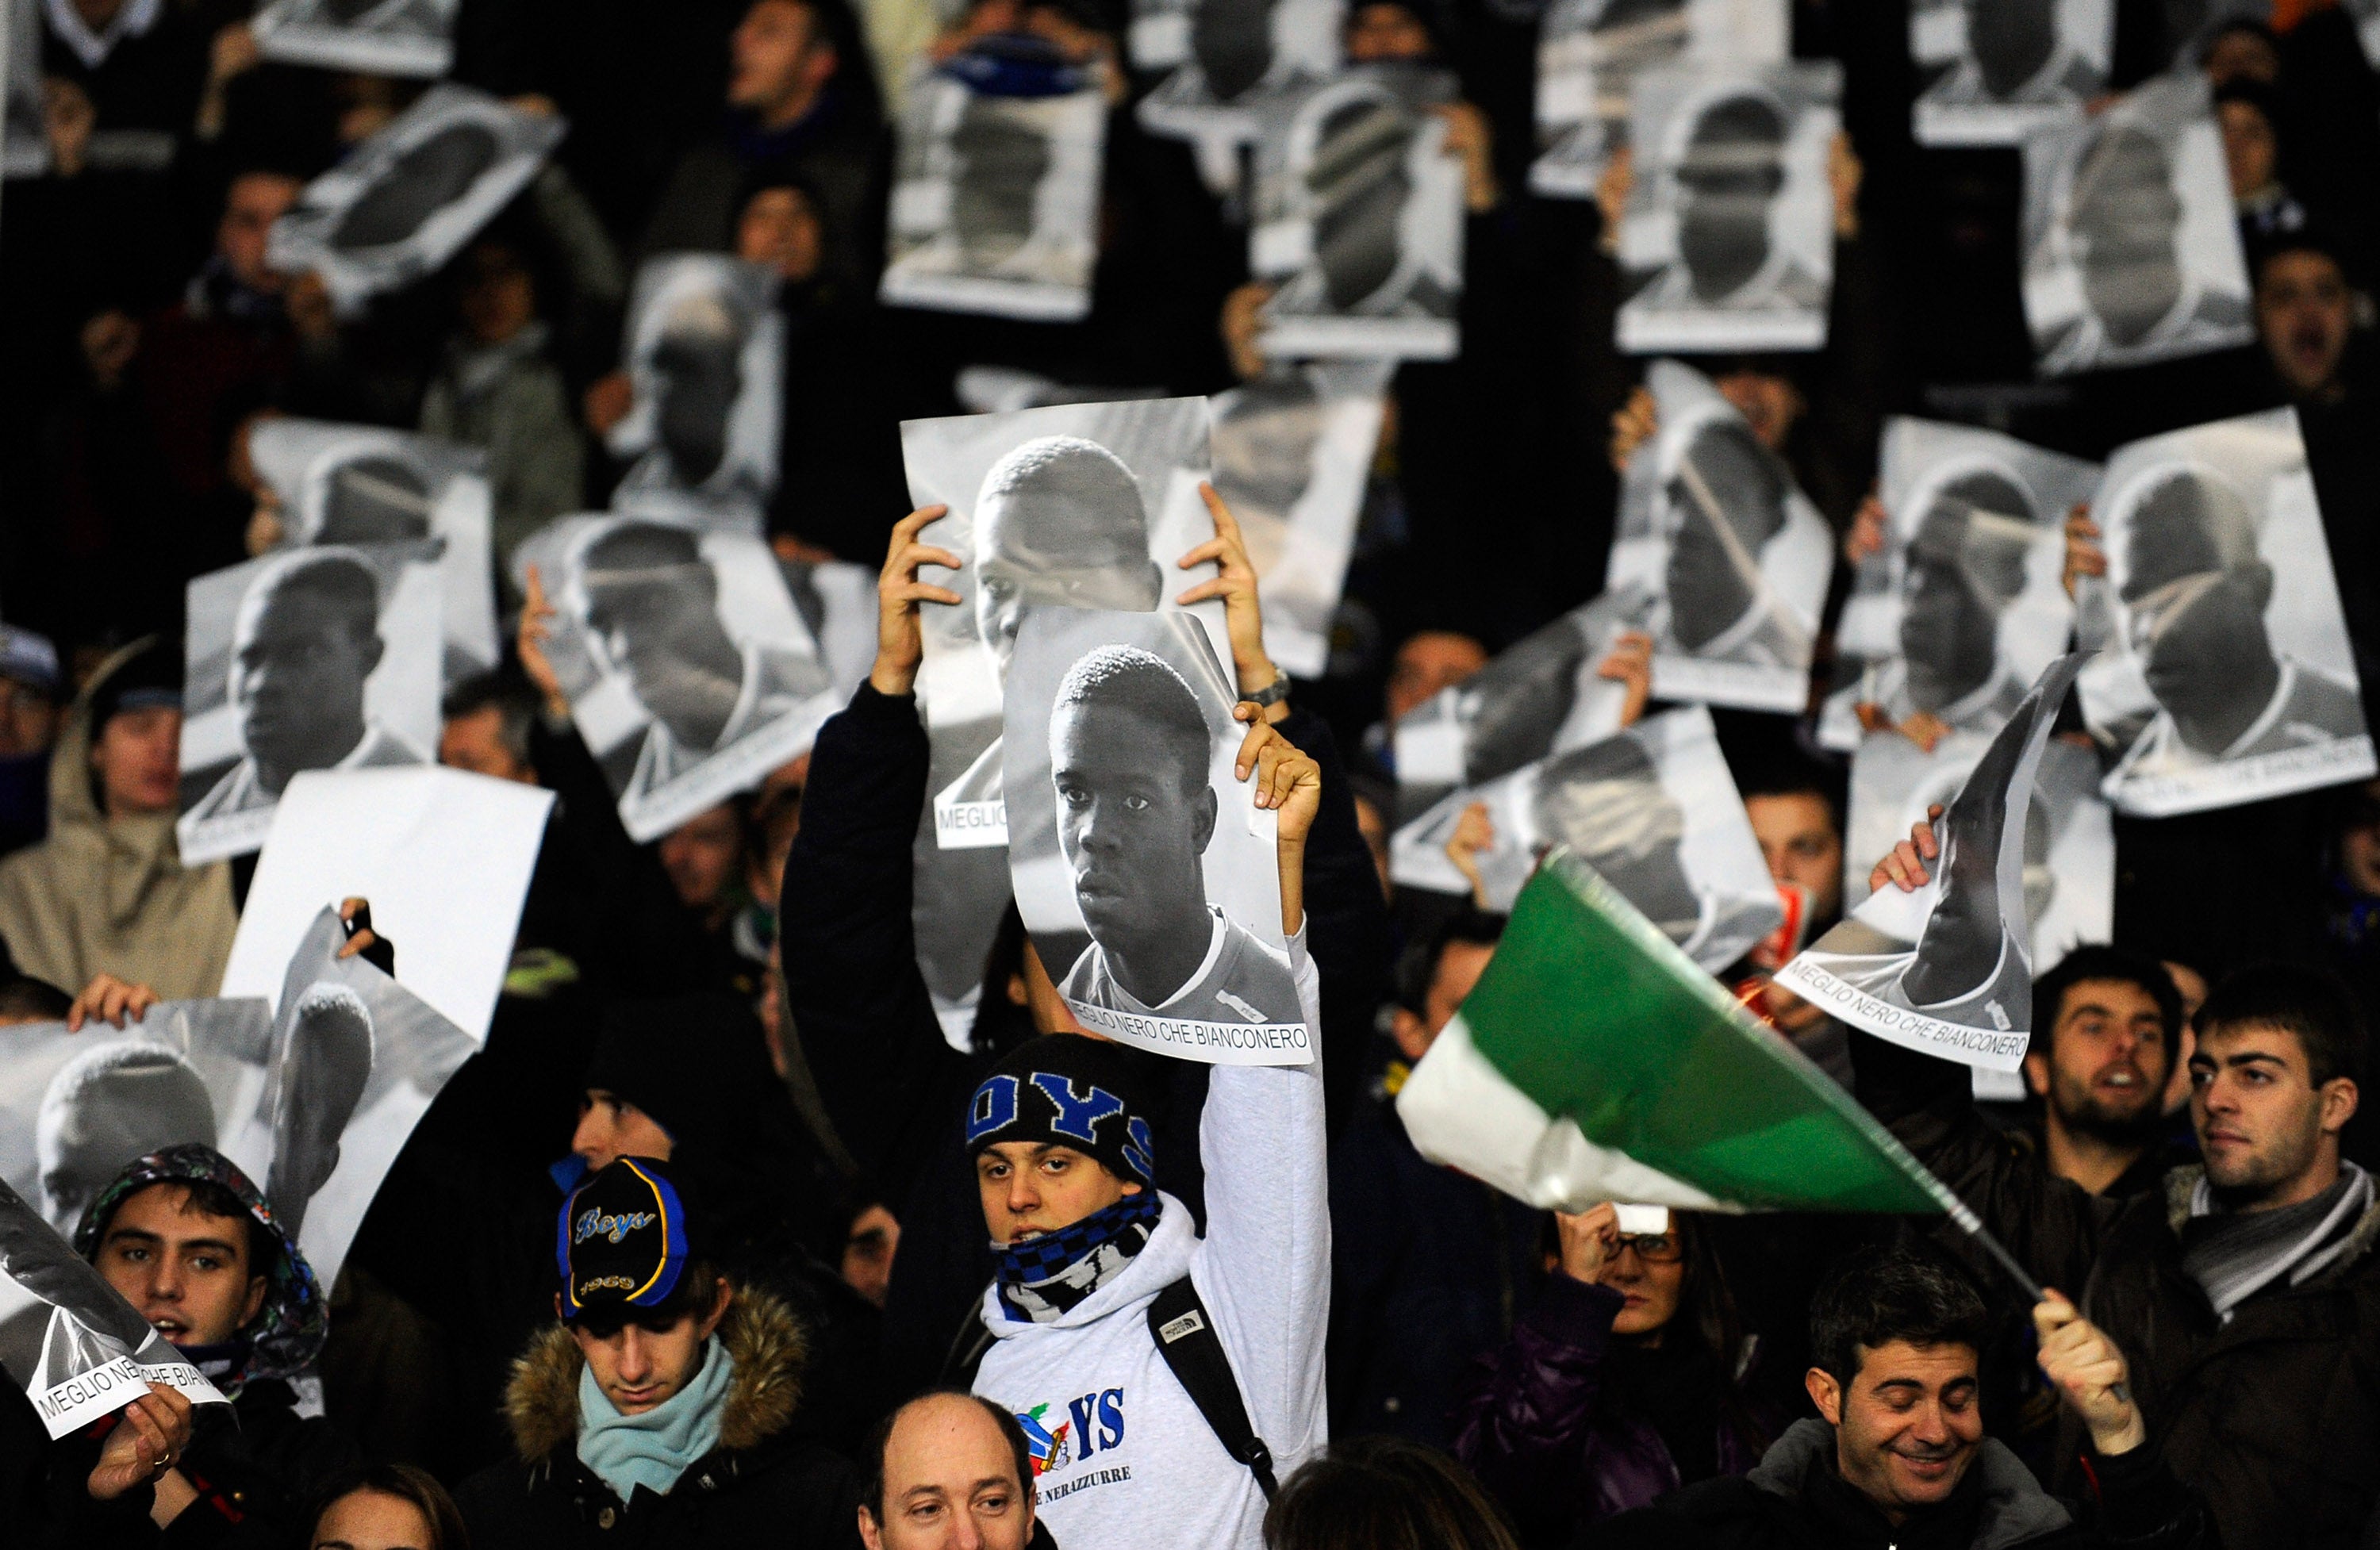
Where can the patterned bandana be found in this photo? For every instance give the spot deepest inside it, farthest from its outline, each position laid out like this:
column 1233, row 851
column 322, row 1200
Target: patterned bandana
column 289, row 1332
column 1042, row 1278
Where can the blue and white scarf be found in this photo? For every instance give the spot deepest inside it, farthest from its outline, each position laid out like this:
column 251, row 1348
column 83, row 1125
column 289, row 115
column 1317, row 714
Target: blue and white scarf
column 1043, row 1278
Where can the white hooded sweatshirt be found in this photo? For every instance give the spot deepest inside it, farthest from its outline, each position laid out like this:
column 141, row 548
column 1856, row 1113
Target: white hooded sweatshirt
column 1122, row 1455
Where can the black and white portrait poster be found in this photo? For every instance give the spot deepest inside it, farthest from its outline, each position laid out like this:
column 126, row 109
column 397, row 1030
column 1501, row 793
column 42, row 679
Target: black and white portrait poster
column 1590, row 53
column 1996, row 68
column 1142, row 866
column 1076, row 506
column 705, row 358
column 691, row 673
column 1235, row 55
column 71, row 1340
column 1540, row 695
column 1359, row 220
column 1729, row 238
column 407, row 199
column 1655, row 812
column 321, row 658
column 1947, row 969
column 1292, row 457
column 2069, row 846
column 360, row 484
column 354, row 1060
column 1720, row 556
column 378, row 37
column 1965, row 604
column 995, row 208
column 2224, row 674
column 2131, row 253
column 76, row 1107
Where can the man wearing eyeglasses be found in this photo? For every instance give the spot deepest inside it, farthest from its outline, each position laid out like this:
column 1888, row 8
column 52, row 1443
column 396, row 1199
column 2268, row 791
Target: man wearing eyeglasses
column 2196, row 590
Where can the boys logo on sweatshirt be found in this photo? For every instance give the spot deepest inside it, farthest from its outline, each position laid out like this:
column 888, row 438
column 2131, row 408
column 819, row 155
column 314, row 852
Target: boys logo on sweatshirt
column 1091, row 1423
column 1048, row 1447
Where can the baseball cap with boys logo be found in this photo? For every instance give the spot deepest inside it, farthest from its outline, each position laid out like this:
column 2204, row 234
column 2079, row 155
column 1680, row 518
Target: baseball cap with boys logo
column 621, row 1242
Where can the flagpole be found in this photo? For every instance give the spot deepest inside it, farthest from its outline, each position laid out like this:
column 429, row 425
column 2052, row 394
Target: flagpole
column 1972, row 1226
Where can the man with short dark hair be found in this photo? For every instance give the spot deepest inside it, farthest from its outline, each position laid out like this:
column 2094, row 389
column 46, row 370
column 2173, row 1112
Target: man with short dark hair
column 306, row 644
column 1729, row 171
column 949, row 1470
column 1727, row 500
column 2107, row 1031
column 2245, row 1287
column 1897, row 1455
column 659, row 1402
column 193, row 1246
column 489, row 721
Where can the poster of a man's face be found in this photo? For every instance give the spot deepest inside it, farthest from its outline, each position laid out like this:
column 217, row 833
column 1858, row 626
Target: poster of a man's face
column 1965, row 605
column 1540, row 695
column 1947, row 969
column 348, row 485
column 1154, row 882
column 1235, row 56
column 691, row 673
column 67, row 1338
column 2069, row 847
column 323, row 658
column 1994, row 68
column 995, row 208
column 2131, row 252
column 2227, row 675
column 1073, row 506
column 1727, row 242
column 705, row 355
column 1655, row 812
column 379, row 37
column 1590, row 53
column 1359, row 219
column 1718, row 556
column 408, row 199
column 1292, row 458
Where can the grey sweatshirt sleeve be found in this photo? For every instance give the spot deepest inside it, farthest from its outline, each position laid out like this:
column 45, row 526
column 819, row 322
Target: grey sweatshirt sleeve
column 1263, row 1269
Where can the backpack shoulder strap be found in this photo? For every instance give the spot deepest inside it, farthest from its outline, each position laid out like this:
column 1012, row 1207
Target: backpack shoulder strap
column 1185, row 1336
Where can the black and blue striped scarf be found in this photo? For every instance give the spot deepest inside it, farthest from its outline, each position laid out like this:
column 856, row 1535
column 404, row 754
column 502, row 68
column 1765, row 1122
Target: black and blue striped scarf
column 1042, row 1277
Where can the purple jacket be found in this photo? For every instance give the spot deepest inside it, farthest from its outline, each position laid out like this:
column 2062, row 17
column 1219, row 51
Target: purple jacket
column 1539, row 1431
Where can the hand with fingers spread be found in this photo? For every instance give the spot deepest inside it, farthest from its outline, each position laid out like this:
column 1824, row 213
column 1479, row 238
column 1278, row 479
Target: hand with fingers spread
column 1630, row 663
column 2083, row 555
column 536, row 629
column 148, row 1440
column 110, row 1001
column 1290, row 782
column 2089, row 1371
column 900, row 631
column 1904, row 866
column 1235, row 583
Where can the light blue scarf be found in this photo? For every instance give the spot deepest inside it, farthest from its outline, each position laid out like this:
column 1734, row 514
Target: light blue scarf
column 653, row 1448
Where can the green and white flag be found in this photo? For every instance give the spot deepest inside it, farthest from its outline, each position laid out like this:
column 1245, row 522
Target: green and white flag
column 1595, row 1061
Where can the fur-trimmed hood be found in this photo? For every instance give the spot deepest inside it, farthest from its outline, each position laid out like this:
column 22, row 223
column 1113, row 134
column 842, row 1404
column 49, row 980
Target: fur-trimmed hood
column 766, row 1340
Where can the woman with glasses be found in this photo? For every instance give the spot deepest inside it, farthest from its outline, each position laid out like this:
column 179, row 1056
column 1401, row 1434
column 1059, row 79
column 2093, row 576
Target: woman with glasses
column 1625, row 1381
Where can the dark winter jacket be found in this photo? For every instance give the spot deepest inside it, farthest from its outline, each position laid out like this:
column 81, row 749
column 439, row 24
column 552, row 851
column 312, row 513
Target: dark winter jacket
column 758, row 1486
column 1429, row 1269
column 1547, row 1431
column 896, row 1091
column 1796, row 1500
column 2274, row 1418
